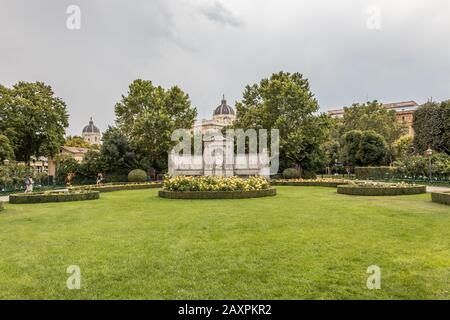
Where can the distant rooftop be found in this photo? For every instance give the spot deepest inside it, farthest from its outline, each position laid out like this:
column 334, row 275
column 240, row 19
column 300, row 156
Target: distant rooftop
column 397, row 106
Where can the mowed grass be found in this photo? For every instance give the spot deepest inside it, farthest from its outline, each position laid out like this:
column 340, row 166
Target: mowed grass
column 305, row 243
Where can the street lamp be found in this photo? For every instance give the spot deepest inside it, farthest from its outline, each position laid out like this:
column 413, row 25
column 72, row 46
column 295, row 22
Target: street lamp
column 429, row 153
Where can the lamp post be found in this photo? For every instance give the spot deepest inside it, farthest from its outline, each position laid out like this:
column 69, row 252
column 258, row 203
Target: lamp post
column 429, row 153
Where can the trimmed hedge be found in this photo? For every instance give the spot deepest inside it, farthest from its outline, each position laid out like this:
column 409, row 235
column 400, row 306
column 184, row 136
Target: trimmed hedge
column 217, row 194
column 119, row 187
column 365, row 173
column 356, row 190
column 441, row 197
column 137, row 175
column 41, row 197
column 312, row 183
column 291, row 173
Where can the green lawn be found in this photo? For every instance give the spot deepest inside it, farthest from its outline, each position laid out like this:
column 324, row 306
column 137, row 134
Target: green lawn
column 305, row 243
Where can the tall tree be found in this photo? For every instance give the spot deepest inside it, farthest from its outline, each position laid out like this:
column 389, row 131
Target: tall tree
column 6, row 151
column 33, row 119
column 364, row 148
column 284, row 101
column 432, row 127
column 117, row 153
column 148, row 115
column 374, row 116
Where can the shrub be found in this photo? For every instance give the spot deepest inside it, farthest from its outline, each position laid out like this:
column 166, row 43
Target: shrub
column 53, row 196
column 364, row 173
column 217, row 194
column 207, row 183
column 441, row 197
column 291, row 173
column 137, row 175
column 380, row 189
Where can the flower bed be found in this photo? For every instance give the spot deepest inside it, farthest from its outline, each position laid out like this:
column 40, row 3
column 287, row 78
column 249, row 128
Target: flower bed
column 54, row 196
column 217, row 194
column 119, row 186
column 333, row 183
column 207, row 183
column 183, row 187
column 380, row 189
column 441, row 197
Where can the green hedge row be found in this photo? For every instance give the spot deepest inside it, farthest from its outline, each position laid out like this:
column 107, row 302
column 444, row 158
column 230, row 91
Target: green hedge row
column 441, row 197
column 119, row 187
column 40, row 197
column 331, row 184
column 365, row 173
column 217, row 194
column 380, row 191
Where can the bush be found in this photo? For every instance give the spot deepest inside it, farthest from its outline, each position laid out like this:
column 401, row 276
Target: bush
column 377, row 173
column 217, row 194
column 137, row 175
column 54, row 196
column 380, row 189
column 441, row 197
column 184, row 183
column 291, row 173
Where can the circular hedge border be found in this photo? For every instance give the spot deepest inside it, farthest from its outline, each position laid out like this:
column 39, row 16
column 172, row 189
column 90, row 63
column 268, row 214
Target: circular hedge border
column 380, row 191
column 441, row 197
column 41, row 197
column 331, row 184
column 119, row 187
column 217, row 194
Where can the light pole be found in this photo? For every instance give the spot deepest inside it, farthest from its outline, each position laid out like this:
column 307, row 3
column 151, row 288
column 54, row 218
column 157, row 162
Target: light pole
column 429, row 153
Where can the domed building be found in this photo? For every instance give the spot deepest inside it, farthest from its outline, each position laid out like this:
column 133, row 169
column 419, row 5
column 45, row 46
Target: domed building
column 91, row 133
column 223, row 115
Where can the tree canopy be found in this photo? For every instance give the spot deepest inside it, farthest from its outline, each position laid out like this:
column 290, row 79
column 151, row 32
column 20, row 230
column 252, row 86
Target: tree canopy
column 76, row 141
column 33, row 119
column 285, row 102
column 432, row 127
column 149, row 114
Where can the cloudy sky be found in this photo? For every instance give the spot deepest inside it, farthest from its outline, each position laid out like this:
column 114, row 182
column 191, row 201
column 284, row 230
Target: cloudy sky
column 219, row 46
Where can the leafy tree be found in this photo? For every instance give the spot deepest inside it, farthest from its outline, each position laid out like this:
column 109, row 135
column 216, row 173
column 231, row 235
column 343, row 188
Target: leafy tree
column 284, row 101
column 432, row 127
column 6, row 151
column 364, row 148
column 373, row 116
column 148, row 115
column 351, row 142
column 116, row 152
column 33, row 119
column 403, row 147
column 373, row 149
column 76, row 141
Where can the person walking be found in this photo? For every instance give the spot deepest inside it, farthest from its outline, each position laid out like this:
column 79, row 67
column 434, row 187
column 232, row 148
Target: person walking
column 99, row 178
column 29, row 184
